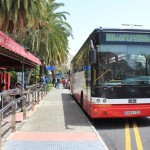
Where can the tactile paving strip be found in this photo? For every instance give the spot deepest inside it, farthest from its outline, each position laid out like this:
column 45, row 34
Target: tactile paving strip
column 53, row 141
column 53, row 145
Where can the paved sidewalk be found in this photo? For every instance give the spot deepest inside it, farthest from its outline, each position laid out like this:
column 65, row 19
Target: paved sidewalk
column 56, row 124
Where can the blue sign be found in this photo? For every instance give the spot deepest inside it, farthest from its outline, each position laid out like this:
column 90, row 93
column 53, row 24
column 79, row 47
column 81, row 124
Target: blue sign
column 50, row 68
column 86, row 68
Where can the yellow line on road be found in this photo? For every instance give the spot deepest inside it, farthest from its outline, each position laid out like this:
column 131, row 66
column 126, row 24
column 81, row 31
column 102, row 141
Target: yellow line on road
column 127, row 136
column 137, row 136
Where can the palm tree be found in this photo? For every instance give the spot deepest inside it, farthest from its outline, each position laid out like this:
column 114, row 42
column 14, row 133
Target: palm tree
column 17, row 15
column 50, row 39
column 40, row 27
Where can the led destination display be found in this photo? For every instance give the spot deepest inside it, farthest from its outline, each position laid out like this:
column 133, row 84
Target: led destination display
column 127, row 37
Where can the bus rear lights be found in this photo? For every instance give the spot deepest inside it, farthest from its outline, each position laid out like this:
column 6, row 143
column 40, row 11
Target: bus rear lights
column 104, row 113
column 98, row 100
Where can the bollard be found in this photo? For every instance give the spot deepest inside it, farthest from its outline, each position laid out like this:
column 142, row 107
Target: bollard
column 29, row 97
column 33, row 101
column 14, row 117
column 2, row 100
column 38, row 99
column 35, row 96
column 0, row 131
column 24, row 107
column 42, row 92
column 46, row 89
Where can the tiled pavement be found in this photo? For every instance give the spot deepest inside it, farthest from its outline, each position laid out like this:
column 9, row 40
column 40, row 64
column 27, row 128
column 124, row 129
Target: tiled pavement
column 57, row 123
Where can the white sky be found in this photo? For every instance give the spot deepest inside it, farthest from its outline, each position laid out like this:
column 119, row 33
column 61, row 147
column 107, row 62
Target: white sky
column 86, row 15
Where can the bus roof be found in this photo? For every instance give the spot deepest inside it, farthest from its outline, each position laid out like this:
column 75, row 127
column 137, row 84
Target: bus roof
column 121, row 30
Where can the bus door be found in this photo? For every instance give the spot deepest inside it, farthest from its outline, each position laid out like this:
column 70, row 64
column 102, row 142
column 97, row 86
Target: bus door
column 87, row 74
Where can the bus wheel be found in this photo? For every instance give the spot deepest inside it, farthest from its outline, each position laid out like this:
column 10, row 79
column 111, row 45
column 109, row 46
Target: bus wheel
column 81, row 100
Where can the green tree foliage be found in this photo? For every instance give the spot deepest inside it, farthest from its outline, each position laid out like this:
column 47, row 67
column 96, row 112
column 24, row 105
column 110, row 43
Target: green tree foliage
column 38, row 26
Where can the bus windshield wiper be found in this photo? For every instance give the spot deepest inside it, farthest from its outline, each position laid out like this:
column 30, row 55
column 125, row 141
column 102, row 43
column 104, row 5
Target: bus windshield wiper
column 130, row 83
column 117, row 85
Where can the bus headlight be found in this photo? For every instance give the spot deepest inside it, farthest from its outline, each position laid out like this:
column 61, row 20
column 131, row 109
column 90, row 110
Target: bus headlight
column 95, row 111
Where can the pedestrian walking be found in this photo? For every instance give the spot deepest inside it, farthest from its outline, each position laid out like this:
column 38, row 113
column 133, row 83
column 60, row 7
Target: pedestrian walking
column 63, row 82
column 18, row 91
column 58, row 83
column 55, row 81
column 46, row 79
column 43, row 80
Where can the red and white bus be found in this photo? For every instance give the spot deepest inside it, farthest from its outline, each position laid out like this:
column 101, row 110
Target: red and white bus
column 110, row 74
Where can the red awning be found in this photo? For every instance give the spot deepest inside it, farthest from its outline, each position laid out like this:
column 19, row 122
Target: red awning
column 12, row 54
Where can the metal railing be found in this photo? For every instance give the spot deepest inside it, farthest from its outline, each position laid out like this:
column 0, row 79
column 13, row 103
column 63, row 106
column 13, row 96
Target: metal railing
column 33, row 95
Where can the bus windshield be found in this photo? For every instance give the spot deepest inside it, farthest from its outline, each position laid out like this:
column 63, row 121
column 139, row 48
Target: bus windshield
column 123, row 64
column 122, row 67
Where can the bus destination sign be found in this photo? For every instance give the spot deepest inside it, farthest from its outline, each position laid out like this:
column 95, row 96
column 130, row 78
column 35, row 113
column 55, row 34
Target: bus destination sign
column 127, row 37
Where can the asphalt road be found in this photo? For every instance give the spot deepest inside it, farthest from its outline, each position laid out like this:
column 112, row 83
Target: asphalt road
column 125, row 134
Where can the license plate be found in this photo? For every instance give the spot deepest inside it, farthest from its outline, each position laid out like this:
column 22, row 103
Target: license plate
column 137, row 112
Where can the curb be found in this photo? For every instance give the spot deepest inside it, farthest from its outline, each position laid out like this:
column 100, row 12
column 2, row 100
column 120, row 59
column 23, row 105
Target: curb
column 93, row 128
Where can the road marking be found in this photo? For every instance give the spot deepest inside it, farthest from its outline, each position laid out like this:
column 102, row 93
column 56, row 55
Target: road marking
column 137, row 136
column 127, row 135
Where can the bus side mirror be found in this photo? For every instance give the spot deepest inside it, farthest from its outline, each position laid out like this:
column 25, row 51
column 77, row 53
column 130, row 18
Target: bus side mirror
column 92, row 53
